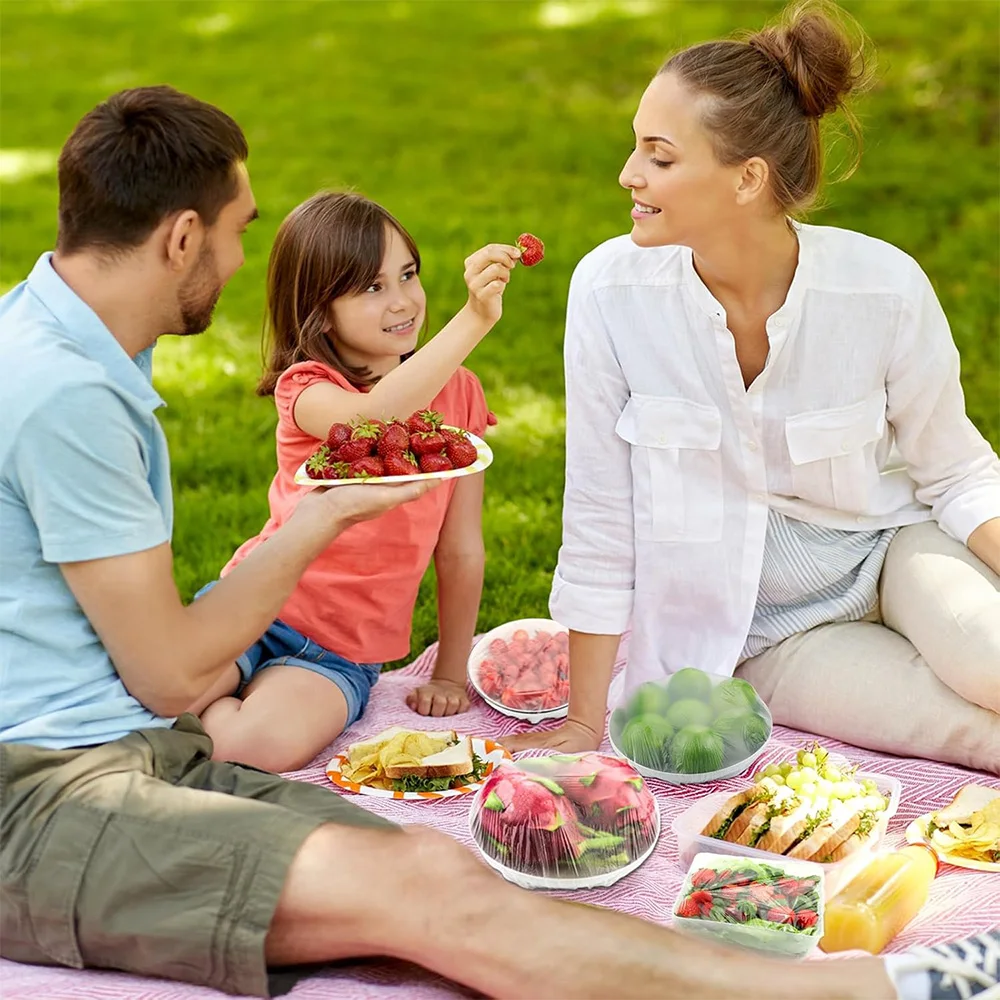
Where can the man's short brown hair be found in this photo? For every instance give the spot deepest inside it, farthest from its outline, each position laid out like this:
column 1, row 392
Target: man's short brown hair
column 137, row 158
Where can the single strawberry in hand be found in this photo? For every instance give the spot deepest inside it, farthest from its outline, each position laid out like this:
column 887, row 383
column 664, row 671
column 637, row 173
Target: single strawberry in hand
column 368, row 467
column 424, row 421
column 427, row 443
column 532, row 249
column 435, row 462
column 338, row 435
column 400, row 463
column 395, row 439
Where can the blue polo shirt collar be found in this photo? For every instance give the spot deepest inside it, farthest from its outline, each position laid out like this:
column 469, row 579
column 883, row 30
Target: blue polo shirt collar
column 84, row 327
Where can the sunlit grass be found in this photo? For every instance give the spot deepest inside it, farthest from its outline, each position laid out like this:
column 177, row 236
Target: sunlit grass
column 472, row 122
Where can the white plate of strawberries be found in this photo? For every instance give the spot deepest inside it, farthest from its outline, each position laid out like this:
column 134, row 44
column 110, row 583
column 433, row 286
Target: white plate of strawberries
column 395, row 451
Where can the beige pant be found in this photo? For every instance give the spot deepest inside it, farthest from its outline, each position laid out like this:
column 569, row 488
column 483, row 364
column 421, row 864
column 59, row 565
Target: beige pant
column 923, row 683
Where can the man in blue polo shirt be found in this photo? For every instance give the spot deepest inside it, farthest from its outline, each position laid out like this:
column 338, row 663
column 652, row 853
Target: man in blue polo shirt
column 122, row 843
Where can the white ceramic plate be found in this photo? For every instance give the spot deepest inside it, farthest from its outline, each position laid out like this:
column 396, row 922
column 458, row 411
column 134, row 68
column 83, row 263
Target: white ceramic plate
column 487, row 750
column 484, row 460
column 916, row 833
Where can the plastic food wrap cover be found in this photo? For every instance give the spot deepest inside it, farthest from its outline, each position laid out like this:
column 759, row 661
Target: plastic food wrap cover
column 690, row 723
column 565, row 816
column 732, row 890
column 525, row 668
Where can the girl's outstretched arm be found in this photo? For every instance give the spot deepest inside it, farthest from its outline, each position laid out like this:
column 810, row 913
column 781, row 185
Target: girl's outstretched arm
column 459, row 560
column 413, row 384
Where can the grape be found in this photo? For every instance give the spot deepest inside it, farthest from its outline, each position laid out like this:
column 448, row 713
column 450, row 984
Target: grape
column 777, row 779
column 869, row 786
column 768, row 783
column 825, row 786
column 808, row 759
column 844, row 790
column 785, row 768
column 771, row 770
column 809, row 773
column 759, row 776
column 808, row 789
column 874, row 802
column 832, row 773
column 794, row 780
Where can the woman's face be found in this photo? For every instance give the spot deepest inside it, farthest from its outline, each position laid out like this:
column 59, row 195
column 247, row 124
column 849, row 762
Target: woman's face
column 680, row 191
column 374, row 327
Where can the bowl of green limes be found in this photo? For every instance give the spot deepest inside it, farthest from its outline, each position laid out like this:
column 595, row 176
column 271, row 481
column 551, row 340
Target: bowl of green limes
column 691, row 727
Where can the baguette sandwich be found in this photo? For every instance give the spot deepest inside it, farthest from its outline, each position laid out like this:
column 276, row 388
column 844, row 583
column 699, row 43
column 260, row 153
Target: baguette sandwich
column 781, row 820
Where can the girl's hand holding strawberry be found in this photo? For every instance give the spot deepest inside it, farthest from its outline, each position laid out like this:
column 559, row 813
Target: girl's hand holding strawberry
column 487, row 272
column 439, row 697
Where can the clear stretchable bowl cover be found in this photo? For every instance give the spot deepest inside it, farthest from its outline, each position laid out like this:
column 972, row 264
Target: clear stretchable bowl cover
column 691, row 727
column 565, row 821
column 521, row 669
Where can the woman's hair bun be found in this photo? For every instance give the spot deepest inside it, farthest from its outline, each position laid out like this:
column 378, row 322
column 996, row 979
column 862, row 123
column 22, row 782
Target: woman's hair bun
column 816, row 52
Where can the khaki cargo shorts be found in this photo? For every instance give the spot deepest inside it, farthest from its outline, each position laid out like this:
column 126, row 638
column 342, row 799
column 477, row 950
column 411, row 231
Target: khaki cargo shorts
column 145, row 855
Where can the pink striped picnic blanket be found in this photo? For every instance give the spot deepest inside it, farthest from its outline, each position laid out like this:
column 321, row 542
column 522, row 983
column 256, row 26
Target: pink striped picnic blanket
column 961, row 902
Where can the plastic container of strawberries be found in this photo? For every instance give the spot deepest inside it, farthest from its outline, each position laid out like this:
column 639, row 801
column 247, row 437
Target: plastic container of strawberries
column 521, row 669
column 565, row 821
column 774, row 906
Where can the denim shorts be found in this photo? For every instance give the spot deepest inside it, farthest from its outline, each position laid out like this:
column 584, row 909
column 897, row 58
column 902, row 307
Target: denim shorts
column 281, row 645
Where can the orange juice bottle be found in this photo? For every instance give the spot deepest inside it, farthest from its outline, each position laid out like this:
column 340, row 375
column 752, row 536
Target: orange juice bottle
column 879, row 901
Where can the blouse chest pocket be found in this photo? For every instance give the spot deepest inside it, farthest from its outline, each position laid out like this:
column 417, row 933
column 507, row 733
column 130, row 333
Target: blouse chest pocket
column 833, row 452
column 676, row 468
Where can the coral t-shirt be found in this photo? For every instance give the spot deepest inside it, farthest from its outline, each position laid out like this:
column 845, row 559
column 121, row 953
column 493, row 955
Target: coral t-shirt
column 357, row 597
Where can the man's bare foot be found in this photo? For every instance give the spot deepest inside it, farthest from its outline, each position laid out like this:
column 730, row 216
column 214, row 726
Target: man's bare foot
column 570, row 737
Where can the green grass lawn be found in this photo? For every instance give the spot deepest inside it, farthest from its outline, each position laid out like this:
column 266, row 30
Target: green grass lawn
column 473, row 121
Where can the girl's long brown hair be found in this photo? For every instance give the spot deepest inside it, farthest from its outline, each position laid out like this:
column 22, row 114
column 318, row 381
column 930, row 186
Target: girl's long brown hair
column 331, row 245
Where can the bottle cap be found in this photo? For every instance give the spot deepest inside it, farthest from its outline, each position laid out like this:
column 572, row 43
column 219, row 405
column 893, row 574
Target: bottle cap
column 934, row 854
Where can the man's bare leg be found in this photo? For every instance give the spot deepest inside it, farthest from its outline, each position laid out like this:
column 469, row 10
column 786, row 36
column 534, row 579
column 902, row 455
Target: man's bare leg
column 419, row 896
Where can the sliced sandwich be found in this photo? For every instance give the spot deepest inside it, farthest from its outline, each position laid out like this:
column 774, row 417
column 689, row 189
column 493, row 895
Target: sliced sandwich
column 455, row 765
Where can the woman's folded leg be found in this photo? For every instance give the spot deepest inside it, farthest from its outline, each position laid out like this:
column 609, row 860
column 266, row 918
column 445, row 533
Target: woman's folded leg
column 865, row 684
column 946, row 601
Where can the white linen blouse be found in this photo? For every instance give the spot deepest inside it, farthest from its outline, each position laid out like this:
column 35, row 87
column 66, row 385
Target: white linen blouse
column 857, row 422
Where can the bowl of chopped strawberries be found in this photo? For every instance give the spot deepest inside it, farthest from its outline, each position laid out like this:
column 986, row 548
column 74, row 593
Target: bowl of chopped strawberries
column 521, row 669
column 379, row 451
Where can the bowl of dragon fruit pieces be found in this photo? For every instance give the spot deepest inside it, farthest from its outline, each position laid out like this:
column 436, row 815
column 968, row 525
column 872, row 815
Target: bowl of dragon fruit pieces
column 565, row 821
column 377, row 451
column 521, row 669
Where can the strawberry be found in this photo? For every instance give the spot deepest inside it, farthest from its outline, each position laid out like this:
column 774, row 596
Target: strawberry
column 703, row 877
column 395, row 439
column 401, row 463
column 807, row 918
column 461, row 453
column 426, row 443
column 367, row 467
column 316, row 464
column 491, row 419
column 702, row 899
column 434, row 462
column 338, row 434
column 687, row 909
column 780, row 915
column 354, row 449
column 424, row 421
column 532, row 249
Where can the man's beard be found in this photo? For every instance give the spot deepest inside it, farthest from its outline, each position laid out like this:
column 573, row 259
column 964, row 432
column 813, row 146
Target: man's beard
column 198, row 295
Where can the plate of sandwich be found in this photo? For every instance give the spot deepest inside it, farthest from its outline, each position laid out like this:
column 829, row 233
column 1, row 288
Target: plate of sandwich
column 966, row 833
column 415, row 765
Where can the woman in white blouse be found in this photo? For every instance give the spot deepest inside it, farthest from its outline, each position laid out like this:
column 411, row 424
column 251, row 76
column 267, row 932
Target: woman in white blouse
column 769, row 467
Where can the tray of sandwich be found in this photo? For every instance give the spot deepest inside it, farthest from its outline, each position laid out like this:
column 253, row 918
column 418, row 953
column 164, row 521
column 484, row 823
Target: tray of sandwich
column 415, row 765
column 816, row 808
column 966, row 833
